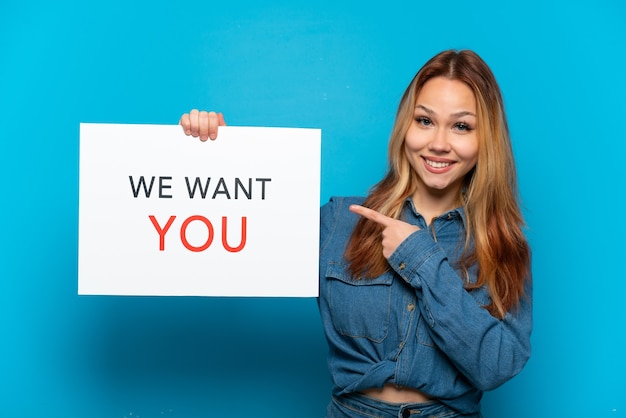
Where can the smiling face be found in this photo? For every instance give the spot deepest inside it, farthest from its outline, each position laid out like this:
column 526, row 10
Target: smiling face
column 441, row 143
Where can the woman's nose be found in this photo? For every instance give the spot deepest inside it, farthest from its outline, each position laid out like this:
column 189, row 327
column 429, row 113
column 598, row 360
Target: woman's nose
column 439, row 142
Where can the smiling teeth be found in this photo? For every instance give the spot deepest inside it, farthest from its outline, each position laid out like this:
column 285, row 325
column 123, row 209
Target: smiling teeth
column 437, row 164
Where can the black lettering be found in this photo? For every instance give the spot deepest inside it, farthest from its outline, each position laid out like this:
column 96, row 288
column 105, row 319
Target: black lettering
column 142, row 183
column 239, row 185
column 197, row 183
column 164, row 186
column 263, row 187
column 221, row 184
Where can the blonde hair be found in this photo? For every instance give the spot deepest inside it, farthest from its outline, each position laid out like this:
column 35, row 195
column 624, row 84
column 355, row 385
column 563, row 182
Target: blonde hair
column 490, row 195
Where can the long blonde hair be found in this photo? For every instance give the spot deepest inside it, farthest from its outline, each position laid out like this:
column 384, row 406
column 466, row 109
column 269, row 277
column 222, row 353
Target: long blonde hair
column 490, row 195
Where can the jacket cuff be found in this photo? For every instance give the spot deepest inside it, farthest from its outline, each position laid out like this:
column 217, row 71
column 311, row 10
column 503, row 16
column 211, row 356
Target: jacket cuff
column 411, row 255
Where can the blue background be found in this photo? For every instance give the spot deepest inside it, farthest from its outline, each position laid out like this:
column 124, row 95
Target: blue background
column 339, row 66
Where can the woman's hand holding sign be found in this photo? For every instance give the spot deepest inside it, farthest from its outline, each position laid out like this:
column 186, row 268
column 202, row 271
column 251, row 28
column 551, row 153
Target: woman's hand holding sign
column 202, row 124
column 395, row 231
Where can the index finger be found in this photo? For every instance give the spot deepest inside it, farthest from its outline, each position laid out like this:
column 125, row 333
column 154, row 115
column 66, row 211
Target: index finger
column 185, row 122
column 371, row 214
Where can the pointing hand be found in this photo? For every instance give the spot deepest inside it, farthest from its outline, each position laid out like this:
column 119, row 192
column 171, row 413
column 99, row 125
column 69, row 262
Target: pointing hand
column 394, row 232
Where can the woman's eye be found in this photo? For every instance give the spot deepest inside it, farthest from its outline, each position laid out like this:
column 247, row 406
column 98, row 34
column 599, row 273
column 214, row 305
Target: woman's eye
column 462, row 127
column 424, row 121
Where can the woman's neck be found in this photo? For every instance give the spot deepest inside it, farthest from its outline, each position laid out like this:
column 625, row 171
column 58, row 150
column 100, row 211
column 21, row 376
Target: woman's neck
column 430, row 205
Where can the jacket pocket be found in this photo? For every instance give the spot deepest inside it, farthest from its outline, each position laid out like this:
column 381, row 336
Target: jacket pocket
column 423, row 332
column 359, row 308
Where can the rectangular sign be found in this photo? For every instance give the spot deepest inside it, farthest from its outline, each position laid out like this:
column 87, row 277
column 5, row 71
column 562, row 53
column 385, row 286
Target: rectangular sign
column 161, row 213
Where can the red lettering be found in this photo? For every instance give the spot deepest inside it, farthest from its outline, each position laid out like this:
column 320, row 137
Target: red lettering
column 162, row 231
column 183, row 233
column 211, row 233
column 242, row 243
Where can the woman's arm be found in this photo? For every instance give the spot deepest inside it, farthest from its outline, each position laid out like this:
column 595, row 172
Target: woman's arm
column 487, row 350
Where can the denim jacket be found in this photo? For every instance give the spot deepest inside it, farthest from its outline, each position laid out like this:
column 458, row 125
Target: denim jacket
column 416, row 325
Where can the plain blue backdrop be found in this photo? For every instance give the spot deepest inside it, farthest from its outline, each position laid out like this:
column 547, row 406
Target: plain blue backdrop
column 336, row 65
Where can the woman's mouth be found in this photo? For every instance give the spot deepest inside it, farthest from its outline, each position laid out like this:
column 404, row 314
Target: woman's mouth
column 437, row 164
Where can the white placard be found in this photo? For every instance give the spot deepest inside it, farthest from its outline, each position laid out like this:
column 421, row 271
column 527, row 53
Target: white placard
column 161, row 213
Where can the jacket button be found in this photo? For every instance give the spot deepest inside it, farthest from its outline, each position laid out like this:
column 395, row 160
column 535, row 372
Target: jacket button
column 402, row 265
column 410, row 307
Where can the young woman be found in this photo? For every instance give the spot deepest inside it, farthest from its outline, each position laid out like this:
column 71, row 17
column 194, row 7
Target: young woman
column 425, row 289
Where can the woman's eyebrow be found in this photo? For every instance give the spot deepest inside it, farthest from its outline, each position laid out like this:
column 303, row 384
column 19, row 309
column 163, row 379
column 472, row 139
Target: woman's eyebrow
column 463, row 113
column 454, row 115
column 425, row 109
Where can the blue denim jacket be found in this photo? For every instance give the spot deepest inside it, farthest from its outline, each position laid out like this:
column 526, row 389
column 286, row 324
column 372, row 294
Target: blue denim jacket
column 416, row 325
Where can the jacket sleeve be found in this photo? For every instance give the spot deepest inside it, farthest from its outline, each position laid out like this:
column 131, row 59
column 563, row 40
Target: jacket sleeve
column 487, row 350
